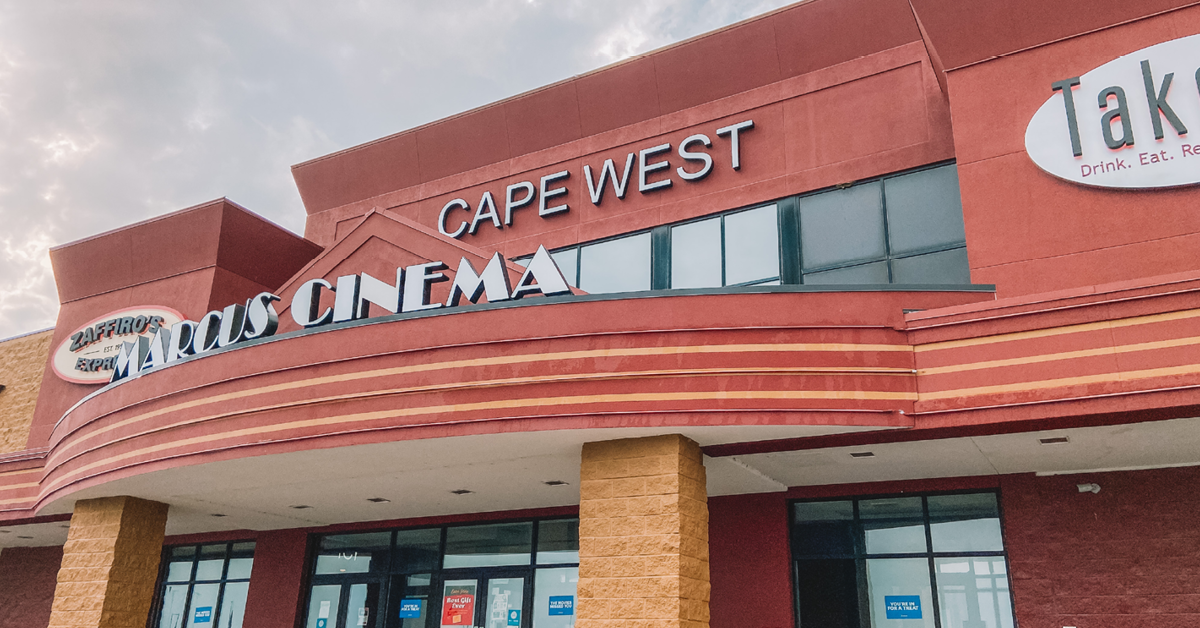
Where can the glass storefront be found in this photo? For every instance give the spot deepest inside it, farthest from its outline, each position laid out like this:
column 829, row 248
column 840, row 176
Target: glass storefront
column 498, row 575
column 933, row 561
column 204, row 586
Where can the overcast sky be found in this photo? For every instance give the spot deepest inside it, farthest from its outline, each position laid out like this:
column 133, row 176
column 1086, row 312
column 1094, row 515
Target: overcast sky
column 112, row 112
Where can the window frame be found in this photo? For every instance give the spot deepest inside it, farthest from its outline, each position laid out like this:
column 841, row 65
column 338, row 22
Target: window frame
column 160, row 587
column 860, row 556
column 439, row 572
column 791, row 256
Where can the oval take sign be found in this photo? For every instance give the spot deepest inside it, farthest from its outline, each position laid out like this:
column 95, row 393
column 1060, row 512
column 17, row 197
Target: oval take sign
column 89, row 355
column 1125, row 124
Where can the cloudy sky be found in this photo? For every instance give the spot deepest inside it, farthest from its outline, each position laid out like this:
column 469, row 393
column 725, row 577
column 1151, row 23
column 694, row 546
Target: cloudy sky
column 115, row 111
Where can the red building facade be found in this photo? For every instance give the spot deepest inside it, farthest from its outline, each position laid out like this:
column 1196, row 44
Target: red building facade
column 917, row 378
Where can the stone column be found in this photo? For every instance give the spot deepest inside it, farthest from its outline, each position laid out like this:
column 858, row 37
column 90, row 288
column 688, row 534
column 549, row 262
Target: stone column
column 109, row 564
column 643, row 535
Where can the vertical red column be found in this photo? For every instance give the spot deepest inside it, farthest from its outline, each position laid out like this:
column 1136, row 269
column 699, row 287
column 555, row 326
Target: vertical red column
column 277, row 581
column 751, row 565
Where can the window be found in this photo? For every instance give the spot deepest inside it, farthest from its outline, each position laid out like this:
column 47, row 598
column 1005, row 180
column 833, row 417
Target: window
column 203, row 586
column 488, row 575
column 740, row 248
column 933, row 561
column 904, row 228
column 619, row 265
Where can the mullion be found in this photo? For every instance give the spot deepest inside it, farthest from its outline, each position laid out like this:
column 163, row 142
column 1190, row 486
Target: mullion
column 724, row 262
column 933, row 583
column 790, row 253
column 887, row 241
column 218, row 606
column 860, row 567
column 187, row 602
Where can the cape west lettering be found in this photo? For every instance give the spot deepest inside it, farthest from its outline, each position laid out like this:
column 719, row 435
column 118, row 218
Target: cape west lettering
column 355, row 297
column 1124, row 124
column 653, row 173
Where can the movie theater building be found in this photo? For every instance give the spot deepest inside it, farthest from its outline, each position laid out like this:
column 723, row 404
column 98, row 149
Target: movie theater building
column 861, row 313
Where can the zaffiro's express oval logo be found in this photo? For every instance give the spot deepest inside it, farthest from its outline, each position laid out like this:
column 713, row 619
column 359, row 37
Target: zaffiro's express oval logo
column 89, row 355
column 1125, row 124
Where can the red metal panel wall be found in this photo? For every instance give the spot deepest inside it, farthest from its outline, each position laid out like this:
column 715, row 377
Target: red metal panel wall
column 277, row 580
column 748, row 555
column 1126, row 557
column 28, row 576
column 1030, row 232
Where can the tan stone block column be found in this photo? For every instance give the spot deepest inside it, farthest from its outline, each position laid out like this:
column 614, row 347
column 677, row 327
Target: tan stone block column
column 643, row 535
column 109, row 564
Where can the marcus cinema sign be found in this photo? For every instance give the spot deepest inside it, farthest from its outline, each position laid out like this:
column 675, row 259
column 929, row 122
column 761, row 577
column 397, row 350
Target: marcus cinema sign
column 354, row 296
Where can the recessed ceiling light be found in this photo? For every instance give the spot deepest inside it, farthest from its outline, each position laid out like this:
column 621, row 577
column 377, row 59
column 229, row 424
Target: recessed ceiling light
column 24, row 537
column 863, row 454
column 1054, row 440
column 554, row 483
column 379, row 500
column 462, row 491
column 5, row 531
column 300, row 506
column 66, row 526
column 217, row 514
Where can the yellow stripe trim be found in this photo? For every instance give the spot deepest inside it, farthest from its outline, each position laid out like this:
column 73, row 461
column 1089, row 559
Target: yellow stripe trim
column 58, row 457
column 500, row 361
column 1189, row 369
column 1058, row 331
column 21, row 472
column 1067, row 355
column 500, row 404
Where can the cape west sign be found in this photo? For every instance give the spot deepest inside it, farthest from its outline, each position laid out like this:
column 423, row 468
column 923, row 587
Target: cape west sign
column 653, row 173
column 1124, row 124
column 354, row 296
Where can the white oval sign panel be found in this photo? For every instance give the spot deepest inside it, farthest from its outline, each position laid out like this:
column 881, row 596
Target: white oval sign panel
column 88, row 356
column 1125, row 124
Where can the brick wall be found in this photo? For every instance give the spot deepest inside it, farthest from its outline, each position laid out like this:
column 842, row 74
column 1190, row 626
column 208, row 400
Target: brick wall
column 643, row 535
column 22, row 362
column 109, row 564
column 1126, row 557
column 27, row 585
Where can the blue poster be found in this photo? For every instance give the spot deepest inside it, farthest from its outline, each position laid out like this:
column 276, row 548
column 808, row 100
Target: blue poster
column 562, row 604
column 410, row 609
column 203, row 615
column 514, row 617
column 902, row 606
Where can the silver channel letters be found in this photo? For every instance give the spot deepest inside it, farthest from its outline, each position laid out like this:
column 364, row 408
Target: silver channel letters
column 650, row 167
column 354, row 297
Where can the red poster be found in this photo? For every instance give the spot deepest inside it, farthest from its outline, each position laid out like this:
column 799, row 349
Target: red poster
column 458, row 605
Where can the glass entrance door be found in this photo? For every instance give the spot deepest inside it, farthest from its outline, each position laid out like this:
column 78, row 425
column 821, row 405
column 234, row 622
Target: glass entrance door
column 459, row 599
column 483, row 599
column 505, row 603
column 344, row 606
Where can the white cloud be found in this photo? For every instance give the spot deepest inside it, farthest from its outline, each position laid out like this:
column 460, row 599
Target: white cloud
column 112, row 112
